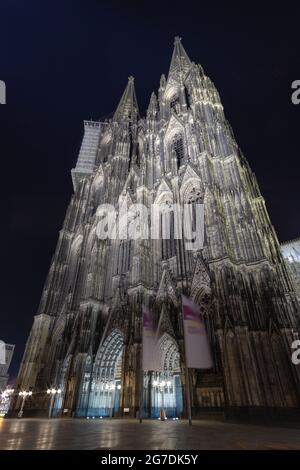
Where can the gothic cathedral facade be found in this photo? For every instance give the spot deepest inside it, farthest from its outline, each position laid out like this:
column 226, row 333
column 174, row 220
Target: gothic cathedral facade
column 86, row 336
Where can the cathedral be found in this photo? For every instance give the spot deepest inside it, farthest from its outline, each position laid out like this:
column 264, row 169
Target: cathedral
column 291, row 254
column 86, row 338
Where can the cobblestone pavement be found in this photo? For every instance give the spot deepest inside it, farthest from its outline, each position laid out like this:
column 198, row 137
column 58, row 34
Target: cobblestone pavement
column 130, row 434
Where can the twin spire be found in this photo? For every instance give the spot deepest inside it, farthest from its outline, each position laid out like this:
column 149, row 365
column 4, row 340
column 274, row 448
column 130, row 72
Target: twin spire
column 128, row 106
column 180, row 62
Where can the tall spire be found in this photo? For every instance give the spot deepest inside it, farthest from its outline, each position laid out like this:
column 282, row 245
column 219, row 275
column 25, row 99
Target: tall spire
column 128, row 106
column 152, row 108
column 180, row 61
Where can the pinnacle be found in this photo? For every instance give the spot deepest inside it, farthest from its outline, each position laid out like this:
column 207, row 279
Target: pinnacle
column 128, row 106
column 180, row 62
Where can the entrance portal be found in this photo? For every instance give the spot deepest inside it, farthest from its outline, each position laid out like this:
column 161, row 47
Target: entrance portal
column 104, row 390
column 163, row 389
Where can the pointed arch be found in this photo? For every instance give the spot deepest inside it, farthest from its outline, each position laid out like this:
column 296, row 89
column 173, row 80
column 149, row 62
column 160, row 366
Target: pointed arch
column 167, row 288
column 169, row 354
column 163, row 192
column 73, row 263
column 174, row 143
column 104, row 389
column 192, row 190
column 164, row 387
column 200, row 287
column 106, row 361
column 97, row 190
column 90, row 267
column 164, row 221
column 105, row 146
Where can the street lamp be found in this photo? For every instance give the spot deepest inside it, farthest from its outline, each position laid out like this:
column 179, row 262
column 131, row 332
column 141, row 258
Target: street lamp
column 52, row 392
column 24, row 395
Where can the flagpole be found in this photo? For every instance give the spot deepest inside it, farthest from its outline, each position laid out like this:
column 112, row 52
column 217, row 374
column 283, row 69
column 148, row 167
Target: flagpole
column 188, row 395
column 187, row 371
column 187, row 375
column 141, row 372
column 141, row 394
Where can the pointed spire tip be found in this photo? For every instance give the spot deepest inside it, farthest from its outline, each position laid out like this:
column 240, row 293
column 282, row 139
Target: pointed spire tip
column 128, row 106
column 177, row 40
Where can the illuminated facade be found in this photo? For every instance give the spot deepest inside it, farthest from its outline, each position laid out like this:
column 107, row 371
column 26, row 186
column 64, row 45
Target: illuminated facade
column 4, row 376
column 291, row 254
column 86, row 336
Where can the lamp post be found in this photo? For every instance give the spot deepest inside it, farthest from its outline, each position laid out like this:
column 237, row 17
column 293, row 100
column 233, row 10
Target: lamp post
column 52, row 392
column 24, row 395
column 161, row 385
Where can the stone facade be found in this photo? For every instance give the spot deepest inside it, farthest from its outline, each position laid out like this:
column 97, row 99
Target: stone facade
column 86, row 337
column 291, row 254
column 4, row 376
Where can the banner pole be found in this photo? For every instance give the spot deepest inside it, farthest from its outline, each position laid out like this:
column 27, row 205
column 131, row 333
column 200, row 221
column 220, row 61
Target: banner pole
column 188, row 395
column 141, row 372
column 141, row 394
column 187, row 374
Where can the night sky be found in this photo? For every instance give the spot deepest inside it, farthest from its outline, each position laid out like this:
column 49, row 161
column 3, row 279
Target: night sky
column 66, row 61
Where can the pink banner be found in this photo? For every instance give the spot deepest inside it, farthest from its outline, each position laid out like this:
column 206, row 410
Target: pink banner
column 197, row 350
column 150, row 343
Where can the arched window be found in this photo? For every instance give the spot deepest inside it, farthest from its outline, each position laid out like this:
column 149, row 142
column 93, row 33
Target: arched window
column 178, row 148
column 167, row 228
column 193, row 219
column 124, row 256
column 72, row 266
column 104, row 147
column 175, row 104
column 194, row 198
column 105, row 394
column 188, row 97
